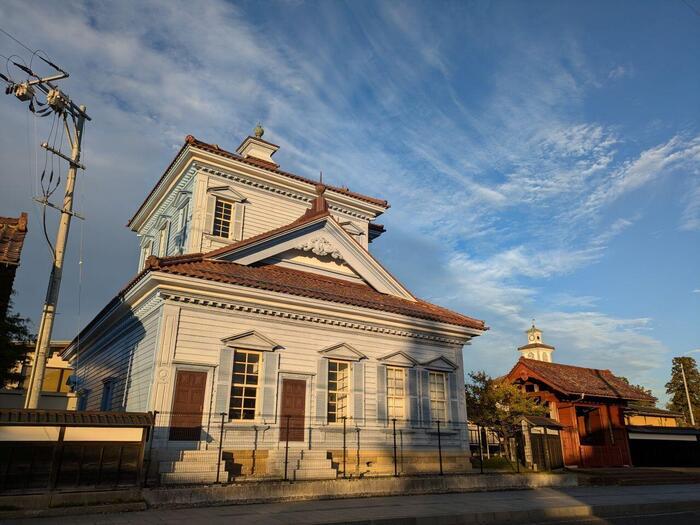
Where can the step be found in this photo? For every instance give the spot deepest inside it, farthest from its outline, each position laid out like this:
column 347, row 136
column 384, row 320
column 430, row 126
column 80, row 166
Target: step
column 173, row 478
column 181, row 466
column 325, row 473
column 314, row 454
column 313, row 463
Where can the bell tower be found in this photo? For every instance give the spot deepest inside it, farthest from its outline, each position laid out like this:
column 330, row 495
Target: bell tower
column 535, row 348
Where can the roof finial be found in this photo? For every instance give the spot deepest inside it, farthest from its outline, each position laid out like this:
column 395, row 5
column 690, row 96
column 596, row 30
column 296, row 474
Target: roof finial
column 320, row 176
column 259, row 131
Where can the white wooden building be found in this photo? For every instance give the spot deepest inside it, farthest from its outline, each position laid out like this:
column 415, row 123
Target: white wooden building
column 257, row 303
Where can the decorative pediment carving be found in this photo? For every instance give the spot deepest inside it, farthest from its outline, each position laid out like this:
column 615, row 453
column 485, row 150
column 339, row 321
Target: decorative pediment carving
column 398, row 359
column 342, row 351
column 441, row 363
column 251, row 340
column 226, row 192
column 320, row 246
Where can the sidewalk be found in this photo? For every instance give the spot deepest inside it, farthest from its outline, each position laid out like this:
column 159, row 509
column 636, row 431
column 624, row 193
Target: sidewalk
column 521, row 506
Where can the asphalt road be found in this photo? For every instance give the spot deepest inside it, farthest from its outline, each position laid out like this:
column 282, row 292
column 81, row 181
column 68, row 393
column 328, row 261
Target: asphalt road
column 673, row 518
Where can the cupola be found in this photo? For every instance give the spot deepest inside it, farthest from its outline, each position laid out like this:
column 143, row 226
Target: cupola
column 535, row 348
column 254, row 147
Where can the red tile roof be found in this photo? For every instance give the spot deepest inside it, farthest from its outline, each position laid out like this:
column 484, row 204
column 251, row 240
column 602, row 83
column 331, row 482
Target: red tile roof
column 304, row 284
column 576, row 380
column 213, row 148
column 12, row 233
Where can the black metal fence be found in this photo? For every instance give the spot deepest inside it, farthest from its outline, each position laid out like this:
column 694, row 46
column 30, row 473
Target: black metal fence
column 292, row 448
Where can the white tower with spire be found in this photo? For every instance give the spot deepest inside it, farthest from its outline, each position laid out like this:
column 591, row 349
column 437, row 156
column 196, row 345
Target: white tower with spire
column 535, row 348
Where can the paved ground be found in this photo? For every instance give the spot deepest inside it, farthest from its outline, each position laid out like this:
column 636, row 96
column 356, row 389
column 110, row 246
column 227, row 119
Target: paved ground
column 427, row 509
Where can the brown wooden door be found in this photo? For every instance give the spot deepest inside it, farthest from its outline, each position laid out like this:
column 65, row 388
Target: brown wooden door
column 188, row 404
column 293, row 409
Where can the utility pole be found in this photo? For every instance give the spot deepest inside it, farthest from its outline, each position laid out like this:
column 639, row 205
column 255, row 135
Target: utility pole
column 59, row 104
column 687, row 394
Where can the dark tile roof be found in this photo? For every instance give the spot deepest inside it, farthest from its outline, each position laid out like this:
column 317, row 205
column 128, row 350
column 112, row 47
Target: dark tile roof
column 213, row 148
column 643, row 410
column 649, row 429
column 17, row 416
column 575, row 380
column 535, row 345
column 12, row 233
column 305, row 284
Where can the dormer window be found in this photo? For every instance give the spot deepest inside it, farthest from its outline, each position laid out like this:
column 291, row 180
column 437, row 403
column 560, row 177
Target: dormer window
column 223, row 214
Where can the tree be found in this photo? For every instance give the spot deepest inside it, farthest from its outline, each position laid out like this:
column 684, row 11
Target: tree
column 676, row 390
column 647, row 391
column 14, row 336
column 499, row 405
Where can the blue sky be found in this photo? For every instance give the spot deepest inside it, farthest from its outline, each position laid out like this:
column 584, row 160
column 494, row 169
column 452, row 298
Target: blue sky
column 542, row 159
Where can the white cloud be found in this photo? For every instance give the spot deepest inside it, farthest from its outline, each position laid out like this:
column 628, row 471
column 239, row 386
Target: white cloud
column 620, row 71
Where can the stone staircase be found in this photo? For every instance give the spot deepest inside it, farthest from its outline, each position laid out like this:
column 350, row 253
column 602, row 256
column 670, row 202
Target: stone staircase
column 302, row 464
column 190, row 466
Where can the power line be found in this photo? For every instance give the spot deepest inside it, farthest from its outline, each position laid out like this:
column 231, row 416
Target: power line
column 20, row 43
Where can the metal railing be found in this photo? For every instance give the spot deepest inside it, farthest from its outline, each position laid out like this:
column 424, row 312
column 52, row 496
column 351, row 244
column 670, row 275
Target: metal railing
column 290, row 448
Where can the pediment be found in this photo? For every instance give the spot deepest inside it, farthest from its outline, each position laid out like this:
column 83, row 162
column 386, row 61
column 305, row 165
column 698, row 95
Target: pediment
column 342, row 351
column 399, row 359
column 322, row 236
column 226, row 192
column 441, row 363
column 251, row 340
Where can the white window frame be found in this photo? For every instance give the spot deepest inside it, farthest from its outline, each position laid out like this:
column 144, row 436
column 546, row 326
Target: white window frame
column 391, row 397
column 433, row 395
column 232, row 216
column 347, row 391
column 245, row 386
column 181, row 226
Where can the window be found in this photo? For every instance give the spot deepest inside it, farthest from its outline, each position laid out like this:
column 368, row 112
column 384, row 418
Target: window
column 163, row 241
column 437, row 396
column 55, row 379
column 107, row 393
column 222, row 218
column 182, row 227
column 395, row 392
column 338, row 388
column 244, row 389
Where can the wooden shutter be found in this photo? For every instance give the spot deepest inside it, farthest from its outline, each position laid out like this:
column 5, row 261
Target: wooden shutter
column 453, row 379
column 238, row 213
column 321, row 392
column 425, row 397
column 269, row 386
column 223, row 381
column 381, row 394
column 358, row 392
column 413, row 399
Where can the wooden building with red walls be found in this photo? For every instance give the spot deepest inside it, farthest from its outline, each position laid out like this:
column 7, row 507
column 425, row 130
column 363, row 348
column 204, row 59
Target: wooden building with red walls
column 589, row 403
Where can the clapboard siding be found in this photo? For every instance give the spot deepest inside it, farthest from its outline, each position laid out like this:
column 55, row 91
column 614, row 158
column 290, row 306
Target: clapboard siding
column 201, row 330
column 124, row 354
